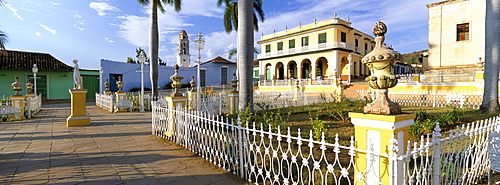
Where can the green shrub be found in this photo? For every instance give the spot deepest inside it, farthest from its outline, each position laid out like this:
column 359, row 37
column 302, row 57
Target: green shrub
column 421, row 115
column 449, row 117
column 318, row 127
column 266, row 118
column 419, row 128
column 425, row 123
column 340, row 110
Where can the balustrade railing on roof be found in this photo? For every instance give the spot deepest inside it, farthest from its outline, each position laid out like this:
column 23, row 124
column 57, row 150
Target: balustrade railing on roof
column 328, row 45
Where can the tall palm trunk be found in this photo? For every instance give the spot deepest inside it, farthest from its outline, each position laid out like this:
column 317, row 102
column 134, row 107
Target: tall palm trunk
column 153, row 48
column 490, row 96
column 245, row 53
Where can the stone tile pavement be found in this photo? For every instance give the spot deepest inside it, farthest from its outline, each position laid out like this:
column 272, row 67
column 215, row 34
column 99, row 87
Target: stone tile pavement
column 117, row 148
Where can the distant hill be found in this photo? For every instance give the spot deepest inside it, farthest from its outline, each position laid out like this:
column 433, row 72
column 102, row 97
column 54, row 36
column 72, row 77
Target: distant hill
column 411, row 58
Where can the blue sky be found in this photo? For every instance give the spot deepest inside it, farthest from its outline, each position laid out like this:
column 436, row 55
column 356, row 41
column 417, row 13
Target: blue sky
column 90, row 30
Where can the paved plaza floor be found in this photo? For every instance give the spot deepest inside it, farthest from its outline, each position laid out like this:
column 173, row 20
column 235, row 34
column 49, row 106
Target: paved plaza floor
column 117, row 148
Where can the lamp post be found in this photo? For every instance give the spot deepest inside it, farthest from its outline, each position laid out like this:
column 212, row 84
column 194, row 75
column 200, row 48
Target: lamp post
column 198, row 43
column 34, row 70
column 100, row 80
column 142, row 59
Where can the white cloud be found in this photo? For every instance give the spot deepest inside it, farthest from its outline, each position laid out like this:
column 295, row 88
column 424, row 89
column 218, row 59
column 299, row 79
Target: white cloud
column 109, row 40
column 101, row 7
column 78, row 27
column 38, row 34
column 54, row 3
column 14, row 11
column 79, row 22
column 48, row 29
column 218, row 44
column 135, row 29
column 206, row 8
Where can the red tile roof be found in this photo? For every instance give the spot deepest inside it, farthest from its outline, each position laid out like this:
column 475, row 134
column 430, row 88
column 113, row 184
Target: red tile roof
column 220, row 60
column 22, row 60
column 217, row 59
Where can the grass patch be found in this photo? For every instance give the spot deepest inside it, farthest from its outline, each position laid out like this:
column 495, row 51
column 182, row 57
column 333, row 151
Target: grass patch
column 331, row 118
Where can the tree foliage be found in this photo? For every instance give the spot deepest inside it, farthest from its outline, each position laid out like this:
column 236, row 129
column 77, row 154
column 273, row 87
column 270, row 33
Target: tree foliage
column 231, row 14
column 412, row 58
column 154, row 35
column 3, row 35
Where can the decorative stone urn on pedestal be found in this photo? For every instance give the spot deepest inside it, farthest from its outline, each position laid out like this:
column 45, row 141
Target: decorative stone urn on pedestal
column 29, row 87
column 381, row 64
column 193, row 84
column 119, row 83
column 17, row 86
column 176, row 82
column 234, row 83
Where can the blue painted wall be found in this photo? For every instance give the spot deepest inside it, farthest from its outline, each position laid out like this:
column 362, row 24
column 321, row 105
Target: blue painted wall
column 132, row 78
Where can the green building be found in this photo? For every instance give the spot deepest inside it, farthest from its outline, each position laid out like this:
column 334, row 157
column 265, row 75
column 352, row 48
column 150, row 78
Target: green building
column 54, row 77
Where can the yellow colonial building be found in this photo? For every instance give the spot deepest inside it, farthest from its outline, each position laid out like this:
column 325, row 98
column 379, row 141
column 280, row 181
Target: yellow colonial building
column 456, row 33
column 324, row 51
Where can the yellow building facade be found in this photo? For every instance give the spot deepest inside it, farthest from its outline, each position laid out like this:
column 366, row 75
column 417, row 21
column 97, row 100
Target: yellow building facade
column 456, row 33
column 328, row 49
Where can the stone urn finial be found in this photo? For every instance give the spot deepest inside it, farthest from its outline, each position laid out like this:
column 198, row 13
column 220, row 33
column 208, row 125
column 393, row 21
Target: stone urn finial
column 29, row 87
column 106, row 85
column 176, row 82
column 234, row 83
column 193, row 83
column 120, row 84
column 17, row 86
column 381, row 63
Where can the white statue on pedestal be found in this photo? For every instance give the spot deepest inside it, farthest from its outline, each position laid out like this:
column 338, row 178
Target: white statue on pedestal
column 76, row 76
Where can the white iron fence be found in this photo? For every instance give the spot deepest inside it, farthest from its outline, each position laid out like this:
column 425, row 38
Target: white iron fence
column 465, row 99
column 260, row 156
column 266, row 156
column 460, row 158
column 274, row 100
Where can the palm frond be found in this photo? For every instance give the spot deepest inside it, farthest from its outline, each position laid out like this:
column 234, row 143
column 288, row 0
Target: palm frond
column 3, row 40
column 255, row 23
column 231, row 53
column 257, row 5
column 231, row 14
column 143, row 2
column 175, row 3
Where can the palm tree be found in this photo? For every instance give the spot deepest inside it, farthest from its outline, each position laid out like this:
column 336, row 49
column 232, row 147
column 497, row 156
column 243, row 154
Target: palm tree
column 154, row 38
column 233, row 52
column 231, row 14
column 245, row 54
column 3, row 40
column 3, row 36
column 492, row 58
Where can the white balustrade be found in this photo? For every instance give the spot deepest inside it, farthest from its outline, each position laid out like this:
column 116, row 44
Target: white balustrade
column 105, row 101
column 302, row 49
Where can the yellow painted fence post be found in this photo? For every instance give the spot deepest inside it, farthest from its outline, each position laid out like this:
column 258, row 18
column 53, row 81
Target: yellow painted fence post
column 18, row 102
column 373, row 133
column 174, row 103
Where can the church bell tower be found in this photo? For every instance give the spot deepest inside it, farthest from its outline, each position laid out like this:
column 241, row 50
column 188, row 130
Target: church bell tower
column 183, row 50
